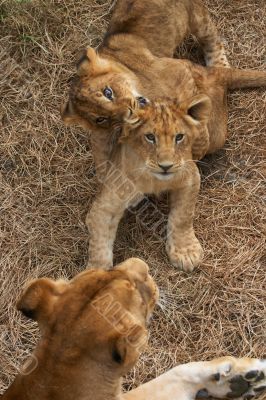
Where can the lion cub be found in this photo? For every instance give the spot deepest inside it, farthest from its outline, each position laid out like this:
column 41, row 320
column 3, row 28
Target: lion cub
column 135, row 62
column 155, row 154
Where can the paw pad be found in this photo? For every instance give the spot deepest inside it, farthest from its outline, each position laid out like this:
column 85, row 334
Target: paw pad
column 247, row 385
column 260, row 377
column 217, row 377
column 259, row 389
column 202, row 394
column 237, row 381
column 239, row 386
column 251, row 375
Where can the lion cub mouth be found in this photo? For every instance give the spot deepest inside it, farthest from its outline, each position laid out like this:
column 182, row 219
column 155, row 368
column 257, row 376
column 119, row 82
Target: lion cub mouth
column 163, row 176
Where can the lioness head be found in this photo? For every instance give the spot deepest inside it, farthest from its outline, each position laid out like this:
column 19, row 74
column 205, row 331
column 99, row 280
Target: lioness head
column 99, row 315
column 164, row 133
column 102, row 93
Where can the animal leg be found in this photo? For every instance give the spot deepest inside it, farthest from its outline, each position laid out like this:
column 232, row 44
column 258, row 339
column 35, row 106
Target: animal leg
column 101, row 145
column 182, row 246
column 206, row 32
column 232, row 378
column 117, row 194
column 102, row 222
column 221, row 378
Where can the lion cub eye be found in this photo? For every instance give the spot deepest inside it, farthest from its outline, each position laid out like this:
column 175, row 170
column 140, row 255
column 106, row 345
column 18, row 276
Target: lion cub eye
column 101, row 120
column 179, row 137
column 142, row 101
column 108, row 93
column 150, row 137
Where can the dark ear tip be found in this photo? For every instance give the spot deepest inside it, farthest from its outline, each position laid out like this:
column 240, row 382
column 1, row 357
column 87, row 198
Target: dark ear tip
column 202, row 394
column 64, row 109
column 82, row 58
column 27, row 312
column 67, row 112
column 117, row 357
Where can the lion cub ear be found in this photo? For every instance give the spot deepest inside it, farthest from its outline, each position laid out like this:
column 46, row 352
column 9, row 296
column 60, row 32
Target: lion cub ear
column 197, row 109
column 92, row 64
column 39, row 298
column 70, row 117
column 68, row 114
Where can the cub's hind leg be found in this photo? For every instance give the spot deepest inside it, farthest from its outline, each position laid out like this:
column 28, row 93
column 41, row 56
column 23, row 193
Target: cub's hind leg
column 202, row 26
column 217, row 125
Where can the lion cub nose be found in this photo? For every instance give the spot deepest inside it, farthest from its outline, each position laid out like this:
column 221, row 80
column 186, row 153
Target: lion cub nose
column 165, row 166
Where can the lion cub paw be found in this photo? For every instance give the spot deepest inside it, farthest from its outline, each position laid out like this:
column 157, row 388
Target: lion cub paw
column 185, row 258
column 235, row 378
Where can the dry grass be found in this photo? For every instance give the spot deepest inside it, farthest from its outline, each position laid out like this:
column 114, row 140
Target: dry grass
column 47, row 184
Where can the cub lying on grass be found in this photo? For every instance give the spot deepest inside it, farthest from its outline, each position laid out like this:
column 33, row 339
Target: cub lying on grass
column 133, row 63
column 156, row 154
column 93, row 331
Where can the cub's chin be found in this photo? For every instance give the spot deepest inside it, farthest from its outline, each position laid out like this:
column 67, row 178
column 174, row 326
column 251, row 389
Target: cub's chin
column 163, row 176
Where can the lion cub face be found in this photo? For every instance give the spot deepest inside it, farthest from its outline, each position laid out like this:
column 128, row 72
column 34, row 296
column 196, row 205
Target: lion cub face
column 99, row 315
column 102, row 94
column 163, row 134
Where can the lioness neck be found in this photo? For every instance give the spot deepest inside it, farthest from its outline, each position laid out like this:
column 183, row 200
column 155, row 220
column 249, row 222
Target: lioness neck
column 60, row 379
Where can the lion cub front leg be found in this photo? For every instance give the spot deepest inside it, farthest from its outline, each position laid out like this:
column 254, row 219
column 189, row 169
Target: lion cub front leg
column 183, row 248
column 101, row 145
column 102, row 222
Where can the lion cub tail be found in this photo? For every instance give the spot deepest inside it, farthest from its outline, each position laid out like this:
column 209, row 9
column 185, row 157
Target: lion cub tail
column 243, row 78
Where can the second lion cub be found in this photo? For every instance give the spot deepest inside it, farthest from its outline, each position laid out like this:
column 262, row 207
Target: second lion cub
column 155, row 154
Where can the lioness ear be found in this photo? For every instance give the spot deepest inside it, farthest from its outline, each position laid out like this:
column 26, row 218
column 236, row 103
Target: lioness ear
column 38, row 300
column 137, row 269
column 127, row 348
column 198, row 108
column 91, row 63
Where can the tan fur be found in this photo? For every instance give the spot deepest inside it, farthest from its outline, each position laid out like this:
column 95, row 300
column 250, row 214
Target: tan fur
column 134, row 60
column 138, row 166
column 130, row 62
column 92, row 327
column 93, row 330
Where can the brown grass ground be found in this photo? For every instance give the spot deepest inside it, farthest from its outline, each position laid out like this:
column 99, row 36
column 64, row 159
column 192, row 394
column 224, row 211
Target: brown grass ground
column 47, row 184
